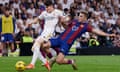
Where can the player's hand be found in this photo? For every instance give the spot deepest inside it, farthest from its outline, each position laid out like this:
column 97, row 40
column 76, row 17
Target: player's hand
column 29, row 23
column 112, row 35
column 66, row 19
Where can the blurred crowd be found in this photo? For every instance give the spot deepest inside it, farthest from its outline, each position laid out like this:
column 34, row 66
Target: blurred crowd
column 103, row 14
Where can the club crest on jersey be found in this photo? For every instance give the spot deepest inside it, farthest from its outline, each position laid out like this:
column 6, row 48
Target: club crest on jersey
column 74, row 28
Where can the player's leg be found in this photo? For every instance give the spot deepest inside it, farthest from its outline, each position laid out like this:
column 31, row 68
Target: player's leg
column 35, row 49
column 52, row 56
column 53, row 52
column 1, row 48
column 37, row 54
column 11, row 42
column 57, row 50
column 44, row 60
column 12, row 47
column 50, row 52
column 64, row 48
column 3, row 42
column 62, row 60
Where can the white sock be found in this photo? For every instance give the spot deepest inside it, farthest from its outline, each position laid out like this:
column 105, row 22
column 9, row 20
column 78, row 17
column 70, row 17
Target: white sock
column 35, row 56
column 41, row 57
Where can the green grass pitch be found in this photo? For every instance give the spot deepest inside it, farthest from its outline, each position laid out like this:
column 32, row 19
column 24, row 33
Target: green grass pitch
column 85, row 64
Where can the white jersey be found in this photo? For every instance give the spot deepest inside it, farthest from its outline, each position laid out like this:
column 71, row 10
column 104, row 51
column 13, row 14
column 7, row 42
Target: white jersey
column 51, row 19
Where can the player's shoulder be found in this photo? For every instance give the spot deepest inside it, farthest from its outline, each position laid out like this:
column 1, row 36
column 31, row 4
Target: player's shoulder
column 58, row 10
column 74, row 21
column 44, row 12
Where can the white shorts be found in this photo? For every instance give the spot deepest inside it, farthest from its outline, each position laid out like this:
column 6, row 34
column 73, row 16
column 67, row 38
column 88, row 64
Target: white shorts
column 46, row 35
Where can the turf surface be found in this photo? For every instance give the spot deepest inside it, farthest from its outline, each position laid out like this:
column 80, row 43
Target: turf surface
column 85, row 64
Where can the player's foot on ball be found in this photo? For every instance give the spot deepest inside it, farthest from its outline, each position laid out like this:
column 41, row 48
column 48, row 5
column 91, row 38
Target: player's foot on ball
column 30, row 66
column 52, row 61
column 74, row 65
column 47, row 66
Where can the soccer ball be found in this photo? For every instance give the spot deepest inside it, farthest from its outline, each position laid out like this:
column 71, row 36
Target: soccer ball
column 20, row 66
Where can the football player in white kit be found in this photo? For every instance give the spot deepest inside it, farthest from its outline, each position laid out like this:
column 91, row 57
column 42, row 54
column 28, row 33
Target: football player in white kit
column 51, row 16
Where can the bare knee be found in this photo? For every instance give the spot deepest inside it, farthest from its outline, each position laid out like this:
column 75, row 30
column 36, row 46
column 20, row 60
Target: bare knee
column 39, row 40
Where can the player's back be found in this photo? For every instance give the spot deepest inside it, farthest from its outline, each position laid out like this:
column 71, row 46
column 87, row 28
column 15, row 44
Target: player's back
column 75, row 30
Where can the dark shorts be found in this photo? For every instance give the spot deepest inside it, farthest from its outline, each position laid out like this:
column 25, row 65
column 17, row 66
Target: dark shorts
column 64, row 47
column 7, row 37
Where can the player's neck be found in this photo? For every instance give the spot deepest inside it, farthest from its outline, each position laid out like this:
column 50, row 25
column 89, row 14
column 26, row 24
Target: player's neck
column 52, row 9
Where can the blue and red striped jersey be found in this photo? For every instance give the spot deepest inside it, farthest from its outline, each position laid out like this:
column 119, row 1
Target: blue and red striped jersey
column 74, row 31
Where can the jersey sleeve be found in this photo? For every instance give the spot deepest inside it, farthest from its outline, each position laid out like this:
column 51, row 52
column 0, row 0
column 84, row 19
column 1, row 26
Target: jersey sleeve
column 89, row 28
column 60, row 13
column 41, row 16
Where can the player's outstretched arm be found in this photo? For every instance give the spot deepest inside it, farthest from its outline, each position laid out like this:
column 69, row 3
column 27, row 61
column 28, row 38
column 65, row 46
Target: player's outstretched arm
column 100, row 32
column 65, row 21
column 35, row 20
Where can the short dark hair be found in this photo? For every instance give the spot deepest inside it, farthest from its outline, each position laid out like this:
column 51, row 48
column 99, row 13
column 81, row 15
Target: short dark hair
column 48, row 3
column 85, row 13
column 7, row 9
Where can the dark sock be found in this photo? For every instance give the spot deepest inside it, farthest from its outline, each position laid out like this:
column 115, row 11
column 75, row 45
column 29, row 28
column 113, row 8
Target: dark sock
column 49, row 55
column 43, row 53
column 69, row 61
column 57, row 50
column 0, row 51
